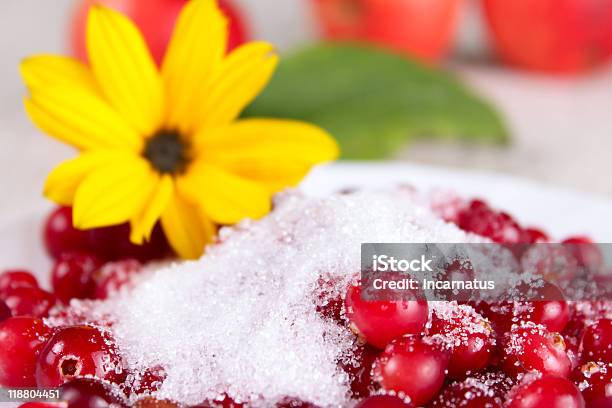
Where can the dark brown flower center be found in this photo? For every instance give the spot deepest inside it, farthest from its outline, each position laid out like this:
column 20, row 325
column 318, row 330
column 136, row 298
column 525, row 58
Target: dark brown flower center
column 167, row 152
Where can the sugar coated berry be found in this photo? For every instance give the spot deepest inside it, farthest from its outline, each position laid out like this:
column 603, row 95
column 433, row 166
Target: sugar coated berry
column 414, row 366
column 533, row 348
column 594, row 380
column 16, row 278
column 79, row 351
column 60, row 236
column 596, row 343
column 21, row 340
column 358, row 365
column 29, row 301
column 114, row 276
column 381, row 321
column 149, row 402
column 90, row 393
column 384, row 401
column 546, row 392
column 72, row 276
column 587, row 253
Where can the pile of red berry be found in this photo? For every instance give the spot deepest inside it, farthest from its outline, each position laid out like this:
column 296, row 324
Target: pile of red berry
column 408, row 353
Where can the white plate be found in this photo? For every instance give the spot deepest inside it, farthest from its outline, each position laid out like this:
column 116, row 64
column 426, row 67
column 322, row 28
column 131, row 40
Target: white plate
column 560, row 212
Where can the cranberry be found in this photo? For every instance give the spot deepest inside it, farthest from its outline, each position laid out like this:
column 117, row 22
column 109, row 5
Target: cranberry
column 595, row 382
column 329, row 304
column 587, row 253
column 89, row 393
column 72, row 276
column 29, row 301
column 113, row 243
column 379, row 322
column 150, row 402
column 533, row 348
column 413, row 366
column 596, row 343
column 486, row 390
column 552, row 262
column 43, row 405
column 469, row 336
column 78, row 351
column 294, row 403
column 534, row 235
column 60, row 236
column 146, row 383
column 383, row 401
column 5, row 312
column 21, row 340
column 547, row 308
column 480, row 219
column 358, row 366
column 16, row 278
column 546, row 392
column 115, row 275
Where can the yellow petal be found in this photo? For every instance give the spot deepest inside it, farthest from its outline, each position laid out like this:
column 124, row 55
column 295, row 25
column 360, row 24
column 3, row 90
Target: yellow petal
column 124, row 69
column 275, row 153
column 142, row 225
column 63, row 181
column 195, row 51
column 185, row 228
column 224, row 197
column 78, row 117
column 50, row 70
column 242, row 76
column 114, row 193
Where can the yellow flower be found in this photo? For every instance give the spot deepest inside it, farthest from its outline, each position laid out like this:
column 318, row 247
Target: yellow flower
column 166, row 144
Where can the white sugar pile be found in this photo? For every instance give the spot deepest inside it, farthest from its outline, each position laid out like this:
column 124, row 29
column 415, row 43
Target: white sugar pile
column 242, row 319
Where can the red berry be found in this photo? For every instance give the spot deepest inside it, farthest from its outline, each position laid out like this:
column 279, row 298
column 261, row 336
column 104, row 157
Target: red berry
column 553, row 262
column 150, row 402
column 78, row 351
column 329, row 303
column 113, row 243
column 552, row 314
column 43, row 405
column 480, row 219
column 487, row 390
column 534, row 235
column 16, row 279
column 146, row 383
column 294, row 403
column 60, row 236
column 115, row 275
column 546, row 392
column 468, row 335
column 379, row 322
column 413, row 366
column 21, row 340
column 383, row 401
column 596, row 343
column 72, row 276
column 358, row 366
column 587, row 253
column 5, row 312
column 29, row 301
column 533, row 348
column 594, row 380
column 90, row 393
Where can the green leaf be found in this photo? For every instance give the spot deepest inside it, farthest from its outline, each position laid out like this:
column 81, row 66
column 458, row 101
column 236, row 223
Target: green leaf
column 373, row 101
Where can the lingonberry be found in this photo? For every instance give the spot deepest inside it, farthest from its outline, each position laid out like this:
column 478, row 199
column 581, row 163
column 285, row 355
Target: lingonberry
column 594, row 380
column 379, row 322
column 29, row 301
column 596, row 343
column 72, row 276
column 358, row 365
column 412, row 365
column 90, row 393
column 468, row 335
column 16, row 278
column 115, row 275
column 530, row 347
column 383, row 401
column 21, row 340
column 5, row 312
column 78, row 351
column 60, row 236
column 587, row 253
column 546, row 392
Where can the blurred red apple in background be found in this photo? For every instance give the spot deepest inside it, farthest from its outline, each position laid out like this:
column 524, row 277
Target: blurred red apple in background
column 561, row 36
column 155, row 18
column 421, row 28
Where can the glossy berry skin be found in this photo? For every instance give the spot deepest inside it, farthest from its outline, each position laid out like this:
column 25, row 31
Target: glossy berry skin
column 483, row 390
column 594, row 380
column 113, row 244
column 60, row 236
column 414, row 366
column 557, row 36
column 546, row 392
column 383, row 401
column 5, row 312
column 78, row 351
column 480, row 219
column 533, row 348
column 89, row 393
column 155, row 19
column 72, row 276
column 419, row 29
column 21, row 340
column 552, row 314
column 29, row 301
column 470, row 338
column 596, row 343
column 16, row 278
column 379, row 322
